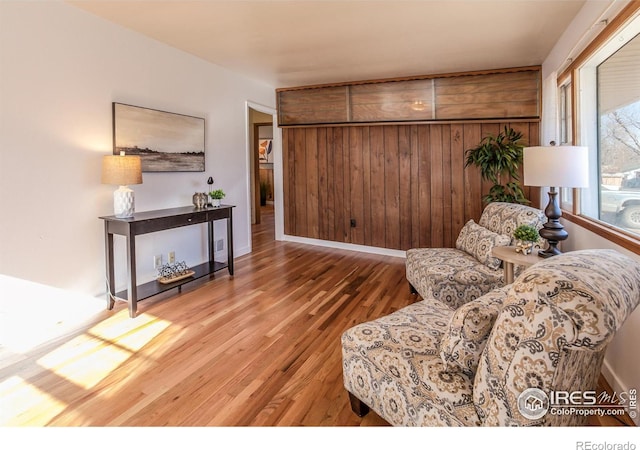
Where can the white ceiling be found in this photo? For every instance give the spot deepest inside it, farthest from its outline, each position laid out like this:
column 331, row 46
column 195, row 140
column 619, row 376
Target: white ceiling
column 294, row 43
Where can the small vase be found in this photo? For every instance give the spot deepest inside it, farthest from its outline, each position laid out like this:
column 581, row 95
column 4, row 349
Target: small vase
column 215, row 202
column 524, row 247
column 200, row 199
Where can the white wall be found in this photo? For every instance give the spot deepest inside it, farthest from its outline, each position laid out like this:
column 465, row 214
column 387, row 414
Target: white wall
column 622, row 366
column 60, row 69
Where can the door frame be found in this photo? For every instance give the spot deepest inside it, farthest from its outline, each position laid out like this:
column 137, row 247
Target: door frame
column 256, row 167
column 252, row 153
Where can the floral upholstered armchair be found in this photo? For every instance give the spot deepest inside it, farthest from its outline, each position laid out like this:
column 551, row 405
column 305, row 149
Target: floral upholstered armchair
column 457, row 275
column 427, row 364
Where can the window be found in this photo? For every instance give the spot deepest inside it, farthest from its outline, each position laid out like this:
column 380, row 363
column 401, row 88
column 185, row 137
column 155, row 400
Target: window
column 619, row 136
column 609, row 125
column 565, row 115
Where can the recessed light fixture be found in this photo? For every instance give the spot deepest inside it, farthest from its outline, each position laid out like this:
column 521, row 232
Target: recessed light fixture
column 418, row 105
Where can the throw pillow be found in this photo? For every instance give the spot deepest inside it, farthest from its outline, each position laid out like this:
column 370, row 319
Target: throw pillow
column 479, row 241
column 469, row 330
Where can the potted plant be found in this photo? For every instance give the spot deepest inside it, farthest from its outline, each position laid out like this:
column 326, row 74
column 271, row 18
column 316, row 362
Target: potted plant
column 526, row 236
column 499, row 157
column 264, row 191
column 216, row 196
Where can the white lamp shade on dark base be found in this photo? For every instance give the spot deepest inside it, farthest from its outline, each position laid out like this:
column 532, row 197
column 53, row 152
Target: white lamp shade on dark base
column 123, row 202
column 564, row 166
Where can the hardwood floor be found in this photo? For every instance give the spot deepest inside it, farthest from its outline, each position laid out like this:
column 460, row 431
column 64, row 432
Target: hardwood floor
column 261, row 348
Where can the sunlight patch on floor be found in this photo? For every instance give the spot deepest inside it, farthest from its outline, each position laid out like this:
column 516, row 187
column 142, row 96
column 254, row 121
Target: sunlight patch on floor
column 87, row 359
column 132, row 334
column 80, row 364
column 32, row 313
column 84, row 360
column 93, row 343
column 25, row 404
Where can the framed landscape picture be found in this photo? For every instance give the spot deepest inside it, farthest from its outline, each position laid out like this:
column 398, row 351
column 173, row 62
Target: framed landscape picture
column 165, row 142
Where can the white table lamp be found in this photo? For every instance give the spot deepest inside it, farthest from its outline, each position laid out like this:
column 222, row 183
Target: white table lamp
column 562, row 166
column 122, row 170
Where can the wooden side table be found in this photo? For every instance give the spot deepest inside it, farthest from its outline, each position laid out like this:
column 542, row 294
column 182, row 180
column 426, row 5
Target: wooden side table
column 510, row 257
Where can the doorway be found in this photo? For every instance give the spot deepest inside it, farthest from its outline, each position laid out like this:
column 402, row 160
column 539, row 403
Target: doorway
column 263, row 161
column 262, row 144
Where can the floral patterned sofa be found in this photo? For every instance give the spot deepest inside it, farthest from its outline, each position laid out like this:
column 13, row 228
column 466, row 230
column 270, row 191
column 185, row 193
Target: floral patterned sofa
column 427, row 364
column 457, row 275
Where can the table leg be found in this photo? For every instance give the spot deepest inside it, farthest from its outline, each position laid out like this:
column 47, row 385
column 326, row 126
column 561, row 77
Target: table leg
column 508, row 272
column 131, row 275
column 230, row 243
column 110, row 272
column 212, row 244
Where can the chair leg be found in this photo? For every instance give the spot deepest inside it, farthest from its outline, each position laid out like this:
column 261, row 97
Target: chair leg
column 412, row 289
column 357, row 406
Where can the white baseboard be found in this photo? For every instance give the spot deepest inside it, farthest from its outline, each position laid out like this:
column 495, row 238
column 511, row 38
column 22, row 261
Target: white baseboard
column 616, row 385
column 343, row 246
column 237, row 252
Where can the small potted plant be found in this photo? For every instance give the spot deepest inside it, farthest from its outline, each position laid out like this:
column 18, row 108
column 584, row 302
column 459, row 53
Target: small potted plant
column 216, row 196
column 526, row 236
column 264, row 191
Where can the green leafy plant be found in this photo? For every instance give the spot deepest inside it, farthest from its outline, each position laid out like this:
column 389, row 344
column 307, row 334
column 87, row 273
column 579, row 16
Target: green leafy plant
column 218, row 194
column 526, row 233
column 499, row 157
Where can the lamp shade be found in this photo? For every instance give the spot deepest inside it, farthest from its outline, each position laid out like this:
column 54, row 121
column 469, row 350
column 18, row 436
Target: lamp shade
column 121, row 170
column 562, row 166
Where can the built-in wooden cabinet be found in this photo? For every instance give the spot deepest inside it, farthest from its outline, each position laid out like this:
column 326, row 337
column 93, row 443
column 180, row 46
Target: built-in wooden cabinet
column 492, row 96
column 505, row 94
column 315, row 105
column 391, row 101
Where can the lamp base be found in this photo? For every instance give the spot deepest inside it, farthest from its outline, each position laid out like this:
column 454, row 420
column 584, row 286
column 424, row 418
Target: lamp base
column 123, row 202
column 552, row 231
column 551, row 251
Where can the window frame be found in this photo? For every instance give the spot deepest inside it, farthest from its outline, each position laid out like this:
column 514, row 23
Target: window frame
column 566, row 111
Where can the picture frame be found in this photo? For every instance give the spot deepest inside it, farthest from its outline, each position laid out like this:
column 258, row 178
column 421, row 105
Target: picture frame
column 165, row 141
column 265, row 146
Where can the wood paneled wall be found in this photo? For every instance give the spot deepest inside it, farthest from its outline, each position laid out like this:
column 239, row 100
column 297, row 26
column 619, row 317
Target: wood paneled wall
column 388, row 186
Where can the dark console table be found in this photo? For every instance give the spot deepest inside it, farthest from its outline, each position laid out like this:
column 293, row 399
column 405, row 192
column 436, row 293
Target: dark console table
column 151, row 222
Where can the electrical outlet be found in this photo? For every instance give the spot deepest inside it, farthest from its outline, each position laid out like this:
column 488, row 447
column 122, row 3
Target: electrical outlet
column 219, row 245
column 171, row 257
column 157, row 261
